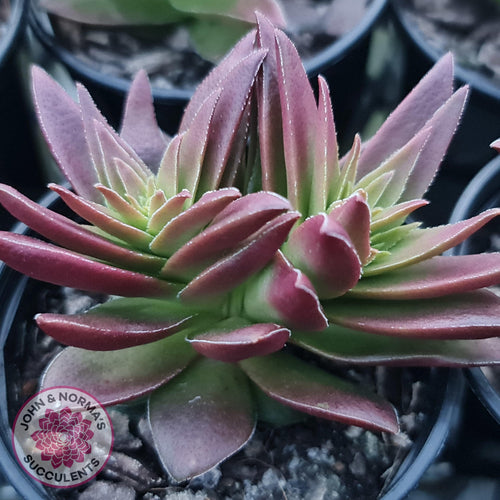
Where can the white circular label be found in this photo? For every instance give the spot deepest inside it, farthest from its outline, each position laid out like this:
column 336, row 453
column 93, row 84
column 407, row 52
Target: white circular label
column 62, row 437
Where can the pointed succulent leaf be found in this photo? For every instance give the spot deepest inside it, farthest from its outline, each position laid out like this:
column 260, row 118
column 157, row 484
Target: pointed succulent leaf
column 215, row 79
column 496, row 145
column 467, row 315
column 386, row 240
column 272, row 156
column 201, row 417
column 167, row 211
column 229, row 228
column 233, row 340
column 130, row 373
column 348, row 173
column 99, row 216
column 410, row 116
column 423, row 244
column 375, row 189
column 237, row 267
column 351, row 346
column 112, row 147
column 123, row 209
column 390, row 217
column 62, row 126
column 309, row 389
column 157, row 200
column 193, row 145
column 298, row 108
column 90, row 114
column 213, row 126
column 134, row 187
column 117, row 324
column 139, row 126
column 52, row 264
column 71, row 235
column 228, row 113
column 326, row 164
column 323, row 250
column 402, row 164
column 238, row 163
column 444, row 124
column 432, row 278
column 187, row 224
column 284, row 294
column 167, row 176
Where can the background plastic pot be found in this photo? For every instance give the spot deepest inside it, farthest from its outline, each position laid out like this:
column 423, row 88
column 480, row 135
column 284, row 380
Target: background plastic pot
column 342, row 63
column 482, row 193
column 480, row 124
column 18, row 159
column 16, row 303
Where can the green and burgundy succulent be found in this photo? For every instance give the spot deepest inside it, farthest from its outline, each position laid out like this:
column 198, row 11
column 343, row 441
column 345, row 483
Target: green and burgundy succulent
column 214, row 26
column 245, row 240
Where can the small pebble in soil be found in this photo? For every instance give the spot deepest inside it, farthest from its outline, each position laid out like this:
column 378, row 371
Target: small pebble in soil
column 469, row 29
column 107, row 490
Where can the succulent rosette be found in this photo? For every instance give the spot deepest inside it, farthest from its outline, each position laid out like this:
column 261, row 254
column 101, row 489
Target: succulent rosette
column 245, row 239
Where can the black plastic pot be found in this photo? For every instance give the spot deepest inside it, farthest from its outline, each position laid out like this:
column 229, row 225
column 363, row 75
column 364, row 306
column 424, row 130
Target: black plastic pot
column 16, row 303
column 15, row 31
column 18, row 159
column 482, row 193
column 342, row 63
column 480, row 124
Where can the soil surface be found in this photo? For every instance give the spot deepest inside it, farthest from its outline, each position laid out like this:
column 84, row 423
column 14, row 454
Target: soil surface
column 315, row 459
column 168, row 57
column 470, row 29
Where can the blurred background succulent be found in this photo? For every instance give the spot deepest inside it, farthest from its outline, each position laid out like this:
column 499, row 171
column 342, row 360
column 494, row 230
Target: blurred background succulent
column 214, row 25
column 246, row 232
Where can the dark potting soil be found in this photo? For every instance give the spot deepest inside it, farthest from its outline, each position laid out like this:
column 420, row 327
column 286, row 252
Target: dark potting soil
column 168, row 56
column 470, row 29
column 315, row 459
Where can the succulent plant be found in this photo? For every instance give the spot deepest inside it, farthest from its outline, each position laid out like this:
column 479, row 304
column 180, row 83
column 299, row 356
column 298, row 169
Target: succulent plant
column 214, row 25
column 244, row 241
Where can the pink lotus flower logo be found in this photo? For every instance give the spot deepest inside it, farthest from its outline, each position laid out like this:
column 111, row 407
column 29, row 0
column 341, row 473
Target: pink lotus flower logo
column 63, row 438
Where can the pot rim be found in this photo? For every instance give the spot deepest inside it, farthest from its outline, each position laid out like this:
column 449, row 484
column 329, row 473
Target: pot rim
column 334, row 53
column 423, row 452
column 9, row 467
column 428, row 446
column 474, row 78
column 484, row 185
column 15, row 28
